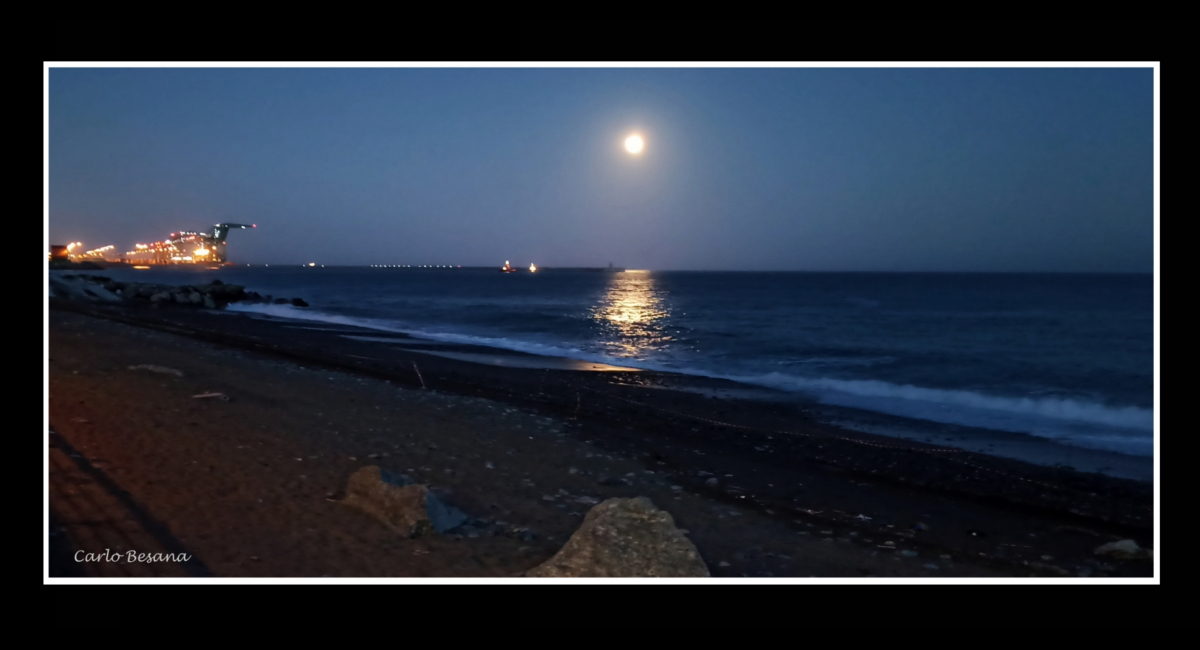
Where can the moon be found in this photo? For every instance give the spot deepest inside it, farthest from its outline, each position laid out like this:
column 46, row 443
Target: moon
column 634, row 144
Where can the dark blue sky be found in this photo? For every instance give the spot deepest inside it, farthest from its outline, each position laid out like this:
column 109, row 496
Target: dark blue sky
column 756, row 169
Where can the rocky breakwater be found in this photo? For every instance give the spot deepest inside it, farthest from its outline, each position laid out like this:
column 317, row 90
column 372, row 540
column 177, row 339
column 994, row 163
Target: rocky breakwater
column 214, row 295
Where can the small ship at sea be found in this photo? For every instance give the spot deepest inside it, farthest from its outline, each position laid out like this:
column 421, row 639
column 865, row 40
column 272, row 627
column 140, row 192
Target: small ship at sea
column 533, row 268
column 609, row 269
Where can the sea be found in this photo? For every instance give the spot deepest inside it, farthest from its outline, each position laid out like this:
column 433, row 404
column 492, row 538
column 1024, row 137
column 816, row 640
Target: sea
column 1050, row 368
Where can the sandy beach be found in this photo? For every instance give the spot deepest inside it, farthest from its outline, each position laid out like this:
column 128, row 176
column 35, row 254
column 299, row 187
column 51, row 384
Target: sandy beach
column 248, row 482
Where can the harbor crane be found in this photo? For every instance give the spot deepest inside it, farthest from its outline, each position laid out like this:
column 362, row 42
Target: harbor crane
column 188, row 247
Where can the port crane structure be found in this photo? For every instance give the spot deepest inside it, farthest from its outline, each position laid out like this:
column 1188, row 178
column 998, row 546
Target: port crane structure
column 188, row 247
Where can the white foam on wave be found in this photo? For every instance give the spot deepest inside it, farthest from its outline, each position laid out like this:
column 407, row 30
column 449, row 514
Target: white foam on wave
column 1079, row 423
column 1124, row 429
column 305, row 314
column 1127, row 417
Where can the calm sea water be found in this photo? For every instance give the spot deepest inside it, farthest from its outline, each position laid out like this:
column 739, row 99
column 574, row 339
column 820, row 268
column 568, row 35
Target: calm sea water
column 1061, row 357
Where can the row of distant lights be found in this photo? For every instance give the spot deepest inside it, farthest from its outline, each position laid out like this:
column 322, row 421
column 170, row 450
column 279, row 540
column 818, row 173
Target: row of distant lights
column 393, row 266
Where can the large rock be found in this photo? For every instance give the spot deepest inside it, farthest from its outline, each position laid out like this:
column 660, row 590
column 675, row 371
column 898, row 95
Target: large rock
column 1126, row 549
column 625, row 538
column 218, row 288
column 409, row 508
column 76, row 287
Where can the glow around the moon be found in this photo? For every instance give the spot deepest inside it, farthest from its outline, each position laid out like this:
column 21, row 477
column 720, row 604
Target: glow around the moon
column 634, row 144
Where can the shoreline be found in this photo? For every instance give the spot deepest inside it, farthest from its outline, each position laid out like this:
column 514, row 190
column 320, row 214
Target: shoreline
column 725, row 454
column 1029, row 428
column 1014, row 445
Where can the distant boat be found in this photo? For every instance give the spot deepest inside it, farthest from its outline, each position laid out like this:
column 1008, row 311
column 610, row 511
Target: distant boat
column 533, row 268
column 610, row 269
column 507, row 268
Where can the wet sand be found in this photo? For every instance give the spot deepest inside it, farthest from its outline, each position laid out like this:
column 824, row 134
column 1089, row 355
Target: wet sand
column 249, row 485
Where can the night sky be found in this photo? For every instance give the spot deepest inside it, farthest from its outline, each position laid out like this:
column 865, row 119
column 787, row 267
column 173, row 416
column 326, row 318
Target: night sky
column 753, row 169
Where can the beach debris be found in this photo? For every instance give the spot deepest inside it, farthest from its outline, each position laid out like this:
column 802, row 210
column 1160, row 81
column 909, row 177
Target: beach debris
column 908, row 553
column 207, row 395
column 159, row 369
column 625, row 538
column 80, row 420
column 395, row 499
column 711, row 481
column 419, row 375
column 1126, row 549
column 866, row 518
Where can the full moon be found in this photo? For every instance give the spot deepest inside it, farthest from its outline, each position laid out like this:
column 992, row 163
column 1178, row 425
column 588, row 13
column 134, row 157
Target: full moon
column 634, row 144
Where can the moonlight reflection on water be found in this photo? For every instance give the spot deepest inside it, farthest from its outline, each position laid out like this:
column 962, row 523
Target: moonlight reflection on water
column 632, row 315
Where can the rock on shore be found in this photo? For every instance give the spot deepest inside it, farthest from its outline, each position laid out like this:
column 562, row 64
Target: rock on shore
column 214, row 295
column 625, row 538
column 409, row 508
column 1125, row 549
